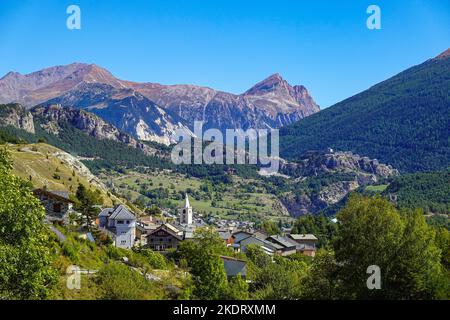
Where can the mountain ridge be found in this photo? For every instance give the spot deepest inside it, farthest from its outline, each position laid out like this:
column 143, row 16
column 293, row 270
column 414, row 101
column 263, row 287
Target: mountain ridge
column 170, row 107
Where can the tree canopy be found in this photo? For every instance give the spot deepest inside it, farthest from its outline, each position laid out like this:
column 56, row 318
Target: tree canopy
column 26, row 270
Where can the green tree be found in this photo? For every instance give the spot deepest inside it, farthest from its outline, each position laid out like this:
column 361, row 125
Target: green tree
column 87, row 203
column 270, row 227
column 237, row 289
column 207, row 269
column 153, row 210
column 418, row 271
column 26, row 270
column 322, row 282
column 372, row 232
column 319, row 225
column 276, row 279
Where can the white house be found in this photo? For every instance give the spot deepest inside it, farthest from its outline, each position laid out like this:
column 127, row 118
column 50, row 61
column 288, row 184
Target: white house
column 120, row 224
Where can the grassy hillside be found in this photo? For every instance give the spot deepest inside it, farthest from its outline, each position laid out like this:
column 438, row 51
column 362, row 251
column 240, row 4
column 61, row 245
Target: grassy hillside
column 403, row 121
column 45, row 165
column 124, row 280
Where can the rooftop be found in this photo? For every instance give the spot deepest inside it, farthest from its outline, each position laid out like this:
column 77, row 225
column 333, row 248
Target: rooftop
column 118, row 213
column 284, row 241
column 303, row 237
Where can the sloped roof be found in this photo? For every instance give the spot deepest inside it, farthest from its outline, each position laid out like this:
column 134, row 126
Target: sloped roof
column 263, row 242
column 63, row 194
column 285, row 242
column 169, row 229
column 261, row 234
column 106, row 212
column 58, row 195
column 303, row 237
column 224, row 235
column 175, row 227
column 242, row 231
column 234, row 267
column 122, row 213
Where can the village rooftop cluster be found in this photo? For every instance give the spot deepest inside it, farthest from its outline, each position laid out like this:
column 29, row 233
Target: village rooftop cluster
column 127, row 230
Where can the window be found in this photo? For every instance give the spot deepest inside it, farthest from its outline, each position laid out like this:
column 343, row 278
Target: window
column 128, row 221
column 57, row 207
column 119, row 221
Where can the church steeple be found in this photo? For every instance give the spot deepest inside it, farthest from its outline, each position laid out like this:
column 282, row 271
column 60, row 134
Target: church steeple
column 186, row 212
column 186, row 202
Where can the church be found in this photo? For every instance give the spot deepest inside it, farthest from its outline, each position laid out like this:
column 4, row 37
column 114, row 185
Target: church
column 169, row 235
column 186, row 215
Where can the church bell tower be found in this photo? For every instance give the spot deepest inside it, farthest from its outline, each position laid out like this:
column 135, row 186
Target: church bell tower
column 186, row 212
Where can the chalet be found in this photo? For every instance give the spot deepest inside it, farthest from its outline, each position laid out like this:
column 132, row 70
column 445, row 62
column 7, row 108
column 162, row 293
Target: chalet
column 234, row 267
column 239, row 235
column 306, row 243
column 267, row 246
column 226, row 236
column 120, row 224
column 56, row 203
column 164, row 237
column 288, row 245
column 261, row 234
column 144, row 227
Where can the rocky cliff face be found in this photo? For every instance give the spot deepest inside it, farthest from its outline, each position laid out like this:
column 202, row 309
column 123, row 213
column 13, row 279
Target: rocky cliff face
column 127, row 110
column 326, row 178
column 51, row 117
column 17, row 116
column 314, row 163
column 150, row 111
column 272, row 103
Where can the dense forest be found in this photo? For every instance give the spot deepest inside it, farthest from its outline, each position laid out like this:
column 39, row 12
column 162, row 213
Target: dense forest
column 429, row 191
column 403, row 121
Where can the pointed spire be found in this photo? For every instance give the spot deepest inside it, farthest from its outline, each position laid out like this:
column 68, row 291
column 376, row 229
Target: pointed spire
column 186, row 203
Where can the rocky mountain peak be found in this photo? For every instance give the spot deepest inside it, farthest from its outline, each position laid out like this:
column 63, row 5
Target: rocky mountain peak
column 150, row 111
column 274, row 83
column 10, row 75
column 444, row 55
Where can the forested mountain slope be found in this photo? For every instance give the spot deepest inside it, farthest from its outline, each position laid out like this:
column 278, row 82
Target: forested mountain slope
column 403, row 121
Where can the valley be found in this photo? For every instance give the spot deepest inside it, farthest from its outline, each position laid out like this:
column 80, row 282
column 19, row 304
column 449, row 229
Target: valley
column 241, row 199
column 223, row 158
column 102, row 149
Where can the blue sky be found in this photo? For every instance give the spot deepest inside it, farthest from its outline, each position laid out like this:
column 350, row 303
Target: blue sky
column 229, row 44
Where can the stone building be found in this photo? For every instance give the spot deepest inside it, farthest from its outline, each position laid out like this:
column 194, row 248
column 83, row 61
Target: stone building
column 56, row 203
